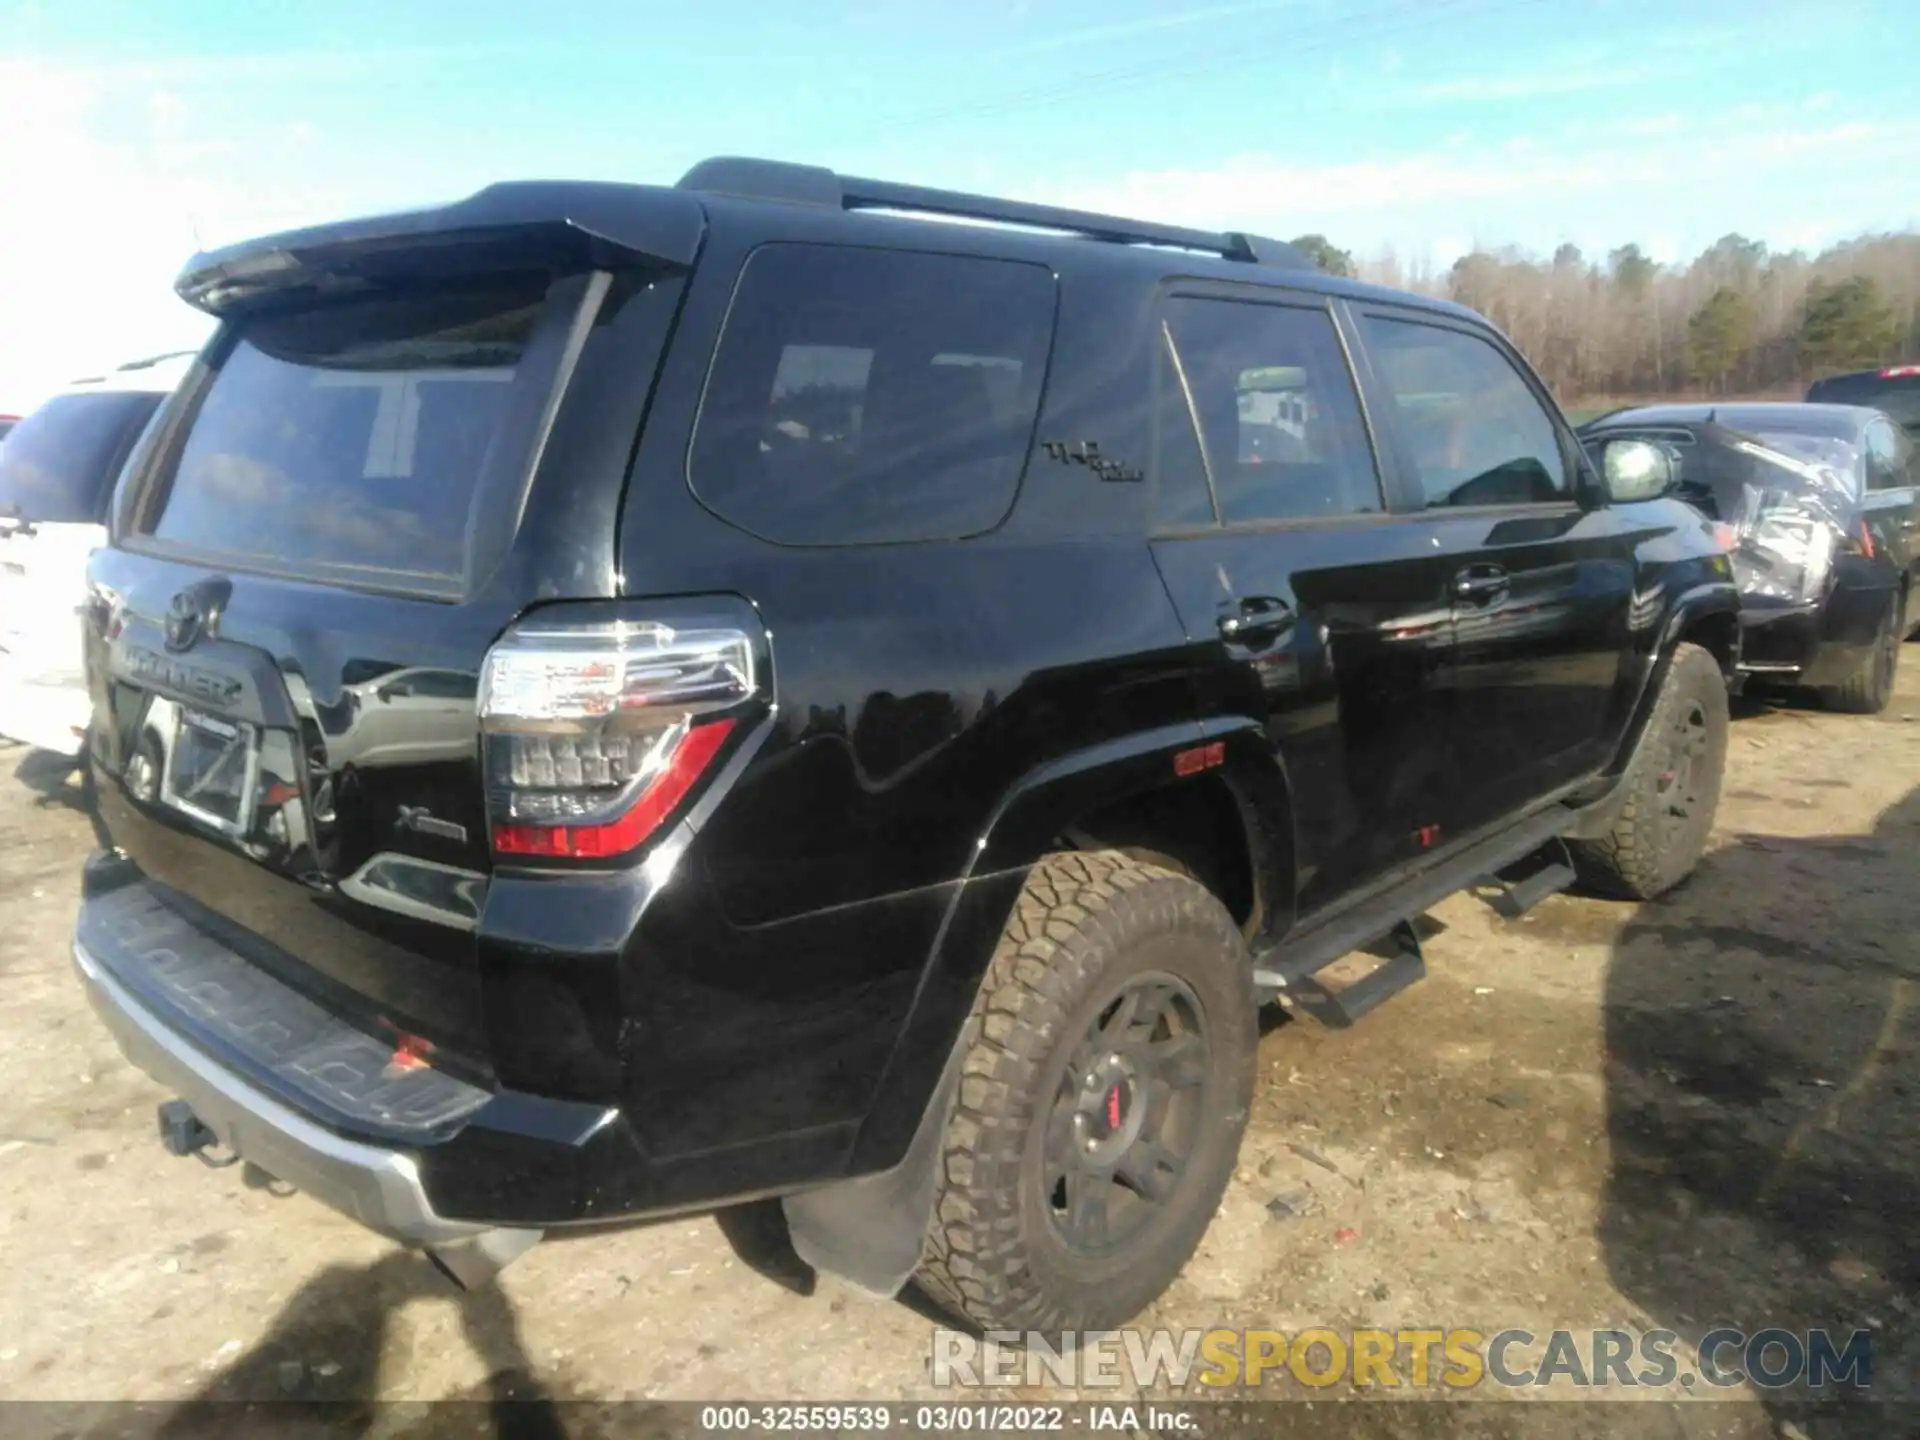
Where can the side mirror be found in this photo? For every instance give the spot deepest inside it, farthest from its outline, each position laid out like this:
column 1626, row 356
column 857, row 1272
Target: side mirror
column 1636, row 470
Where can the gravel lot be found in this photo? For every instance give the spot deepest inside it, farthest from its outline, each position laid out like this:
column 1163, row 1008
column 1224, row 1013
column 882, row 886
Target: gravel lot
column 1678, row 1114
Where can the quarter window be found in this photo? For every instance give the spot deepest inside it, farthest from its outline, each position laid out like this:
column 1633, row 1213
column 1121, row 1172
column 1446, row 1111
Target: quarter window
column 864, row 396
column 1476, row 432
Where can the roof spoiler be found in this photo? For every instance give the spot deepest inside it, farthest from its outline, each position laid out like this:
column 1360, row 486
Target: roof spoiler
column 510, row 225
column 815, row 185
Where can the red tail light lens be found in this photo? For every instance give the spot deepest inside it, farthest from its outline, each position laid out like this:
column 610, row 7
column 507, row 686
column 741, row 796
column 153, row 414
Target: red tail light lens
column 595, row 732
column 1899, row 372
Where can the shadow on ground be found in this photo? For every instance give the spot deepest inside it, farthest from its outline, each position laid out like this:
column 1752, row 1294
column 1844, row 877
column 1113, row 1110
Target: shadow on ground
column 1763, row 1062
column 318, row 1370
column 54, row 779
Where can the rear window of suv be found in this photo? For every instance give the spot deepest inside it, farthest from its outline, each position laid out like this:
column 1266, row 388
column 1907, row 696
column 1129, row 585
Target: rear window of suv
column 352, row 435
column 59, row 464
column 1897, row 394
column 870, row 396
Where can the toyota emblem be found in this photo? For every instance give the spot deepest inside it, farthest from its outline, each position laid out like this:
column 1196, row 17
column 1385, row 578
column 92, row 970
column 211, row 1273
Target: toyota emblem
column 194, row 613
column 185, row 621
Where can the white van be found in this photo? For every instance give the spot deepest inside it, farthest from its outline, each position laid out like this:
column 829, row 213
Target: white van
column 57, row 469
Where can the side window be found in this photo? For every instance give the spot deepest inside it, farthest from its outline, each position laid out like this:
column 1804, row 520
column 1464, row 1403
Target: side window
column 866, row 396
column 1476, row 433
column 1885, row 469
column 1279, row 417
column 1181, row 494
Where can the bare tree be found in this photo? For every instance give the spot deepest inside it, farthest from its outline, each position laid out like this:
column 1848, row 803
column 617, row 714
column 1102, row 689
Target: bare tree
column 1626, row 328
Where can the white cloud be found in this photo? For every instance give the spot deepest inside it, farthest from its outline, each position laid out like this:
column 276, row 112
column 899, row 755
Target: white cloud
column 1531, row 85
column 109, row 191
column 1530, row 188
column 1148, row 25
column 89, row 242
column 276, row 68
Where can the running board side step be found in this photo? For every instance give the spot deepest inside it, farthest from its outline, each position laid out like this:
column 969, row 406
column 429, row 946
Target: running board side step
column 1552, row 872
column 1338, row 1009
column 1388, row 914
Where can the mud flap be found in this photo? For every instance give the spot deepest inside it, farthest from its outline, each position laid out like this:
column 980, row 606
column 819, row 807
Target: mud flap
column 869, row 1230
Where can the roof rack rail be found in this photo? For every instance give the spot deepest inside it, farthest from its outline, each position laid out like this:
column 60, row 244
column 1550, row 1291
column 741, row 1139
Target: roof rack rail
column 816, row 185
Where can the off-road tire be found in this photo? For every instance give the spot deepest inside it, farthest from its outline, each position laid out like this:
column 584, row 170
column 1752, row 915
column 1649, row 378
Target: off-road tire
column 1086, row 924
column 1868, row 690
column 1644, row 853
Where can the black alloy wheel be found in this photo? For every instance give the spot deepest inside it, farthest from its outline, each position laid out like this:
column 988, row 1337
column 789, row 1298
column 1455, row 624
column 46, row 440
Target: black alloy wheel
column 1126, row 1113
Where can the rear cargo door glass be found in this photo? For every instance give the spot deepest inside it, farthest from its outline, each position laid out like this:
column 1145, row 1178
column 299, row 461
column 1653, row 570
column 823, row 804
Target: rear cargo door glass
column 352, row 435
column 1897, row 395
column 864, row 396
column 59, row 464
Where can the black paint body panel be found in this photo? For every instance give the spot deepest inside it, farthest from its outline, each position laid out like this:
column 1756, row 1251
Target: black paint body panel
column 765, row 994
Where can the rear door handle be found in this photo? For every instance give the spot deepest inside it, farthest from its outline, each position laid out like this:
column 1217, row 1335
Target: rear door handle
column 1485, row 583
column 1256, row 618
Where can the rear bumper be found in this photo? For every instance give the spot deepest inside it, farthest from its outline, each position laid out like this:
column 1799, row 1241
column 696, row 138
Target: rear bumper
column 413, row 1152
column 378, row 1186
column 406, row 1149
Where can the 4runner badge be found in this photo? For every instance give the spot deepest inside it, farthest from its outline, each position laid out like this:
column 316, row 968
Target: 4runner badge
column 1087, row 453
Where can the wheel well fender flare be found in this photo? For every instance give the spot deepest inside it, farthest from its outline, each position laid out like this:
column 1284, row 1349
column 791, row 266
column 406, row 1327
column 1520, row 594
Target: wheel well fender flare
column 1715, row 603
column 1054, row 797
column 868, row 1228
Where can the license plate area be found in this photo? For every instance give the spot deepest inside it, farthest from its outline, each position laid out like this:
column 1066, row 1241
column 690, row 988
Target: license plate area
column 211, row 771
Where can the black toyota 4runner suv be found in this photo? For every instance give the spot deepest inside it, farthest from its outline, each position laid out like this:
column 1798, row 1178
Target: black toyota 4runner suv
column 613, row 700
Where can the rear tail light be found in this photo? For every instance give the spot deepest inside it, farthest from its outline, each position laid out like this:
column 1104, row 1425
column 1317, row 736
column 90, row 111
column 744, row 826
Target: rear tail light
column 596, row 731
column 1899, row 372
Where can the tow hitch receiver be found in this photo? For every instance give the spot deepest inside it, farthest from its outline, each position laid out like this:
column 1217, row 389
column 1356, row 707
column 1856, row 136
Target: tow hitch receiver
column 184, row 1133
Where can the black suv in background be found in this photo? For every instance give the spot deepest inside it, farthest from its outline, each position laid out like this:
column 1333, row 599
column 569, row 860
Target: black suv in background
column 614, row 699
column 1892, row 389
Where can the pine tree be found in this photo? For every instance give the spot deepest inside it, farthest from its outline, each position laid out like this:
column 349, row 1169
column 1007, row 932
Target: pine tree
column 1847, row 326
column 1719, row 336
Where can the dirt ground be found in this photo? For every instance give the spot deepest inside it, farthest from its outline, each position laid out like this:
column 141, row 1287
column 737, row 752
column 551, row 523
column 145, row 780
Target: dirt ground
column 1678, row 1114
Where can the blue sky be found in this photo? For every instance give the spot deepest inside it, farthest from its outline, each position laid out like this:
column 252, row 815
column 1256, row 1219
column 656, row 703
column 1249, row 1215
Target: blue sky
column 137, row 131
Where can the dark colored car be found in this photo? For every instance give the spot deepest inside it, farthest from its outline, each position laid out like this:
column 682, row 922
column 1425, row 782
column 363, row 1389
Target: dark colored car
column 57, row 472
column 1894, row 389
column 888, row 729
column 1823, row 504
